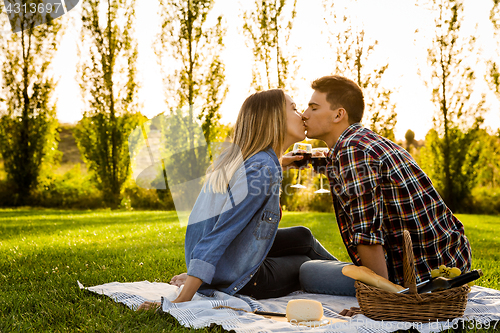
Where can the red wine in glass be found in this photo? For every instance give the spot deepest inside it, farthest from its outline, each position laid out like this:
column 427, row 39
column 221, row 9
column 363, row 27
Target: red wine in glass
column 319, row 163
column 303, row 162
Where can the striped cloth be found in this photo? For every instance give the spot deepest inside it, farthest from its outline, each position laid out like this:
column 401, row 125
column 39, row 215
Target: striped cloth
column 482, row 311
column 378, row 191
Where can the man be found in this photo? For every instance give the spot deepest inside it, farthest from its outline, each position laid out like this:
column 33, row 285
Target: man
column 378, row 191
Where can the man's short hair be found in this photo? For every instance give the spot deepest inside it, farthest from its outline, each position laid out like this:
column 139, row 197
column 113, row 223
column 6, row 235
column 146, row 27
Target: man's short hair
column 342, row 92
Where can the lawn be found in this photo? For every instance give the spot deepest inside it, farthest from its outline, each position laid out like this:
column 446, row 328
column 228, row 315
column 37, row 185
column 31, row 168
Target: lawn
column 44, row 252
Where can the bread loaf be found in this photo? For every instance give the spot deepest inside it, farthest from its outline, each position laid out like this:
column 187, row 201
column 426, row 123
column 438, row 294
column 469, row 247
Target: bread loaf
column 298, row 310
column 367, row 276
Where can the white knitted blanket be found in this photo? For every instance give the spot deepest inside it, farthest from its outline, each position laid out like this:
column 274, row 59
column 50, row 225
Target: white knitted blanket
column 482, row 311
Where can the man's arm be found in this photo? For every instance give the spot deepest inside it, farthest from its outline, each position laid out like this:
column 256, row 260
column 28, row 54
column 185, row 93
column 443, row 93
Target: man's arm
column 372, row 256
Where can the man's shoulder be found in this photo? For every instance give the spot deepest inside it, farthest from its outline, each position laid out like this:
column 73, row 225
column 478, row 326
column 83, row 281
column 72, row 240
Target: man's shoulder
column 370, row 143
column 363, row 139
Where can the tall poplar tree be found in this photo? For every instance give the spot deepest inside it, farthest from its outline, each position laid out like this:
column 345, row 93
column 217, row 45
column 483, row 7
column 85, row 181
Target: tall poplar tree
column 28, row 137
column 109, row 88
column 353, row 55
column 268, row 26
column 494, row 65
column 189, row 49
column 192, row 48
column 457, row 118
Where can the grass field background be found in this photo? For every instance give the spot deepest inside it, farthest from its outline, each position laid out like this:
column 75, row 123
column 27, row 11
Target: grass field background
column 44, row 252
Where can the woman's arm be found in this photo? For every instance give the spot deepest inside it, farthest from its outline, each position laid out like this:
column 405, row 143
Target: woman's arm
column 190, row 288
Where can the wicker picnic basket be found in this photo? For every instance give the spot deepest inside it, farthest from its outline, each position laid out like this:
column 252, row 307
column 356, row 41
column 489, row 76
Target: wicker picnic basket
column 379, row 304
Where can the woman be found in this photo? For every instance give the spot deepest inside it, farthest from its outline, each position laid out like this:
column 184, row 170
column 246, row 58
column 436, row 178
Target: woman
column 240, row 249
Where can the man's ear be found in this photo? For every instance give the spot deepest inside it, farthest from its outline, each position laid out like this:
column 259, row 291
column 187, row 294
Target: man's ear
column 340, row 116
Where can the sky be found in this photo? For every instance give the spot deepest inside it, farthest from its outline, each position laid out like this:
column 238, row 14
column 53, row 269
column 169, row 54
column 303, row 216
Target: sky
column 391, row 22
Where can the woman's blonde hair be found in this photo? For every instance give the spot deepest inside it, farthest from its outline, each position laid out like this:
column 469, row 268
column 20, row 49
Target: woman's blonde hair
column 261, row 123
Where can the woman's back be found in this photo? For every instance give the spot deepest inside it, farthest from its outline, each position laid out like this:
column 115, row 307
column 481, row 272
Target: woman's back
column 229, row 234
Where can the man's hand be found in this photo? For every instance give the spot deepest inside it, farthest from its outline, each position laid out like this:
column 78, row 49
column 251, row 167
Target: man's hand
column 179, row 280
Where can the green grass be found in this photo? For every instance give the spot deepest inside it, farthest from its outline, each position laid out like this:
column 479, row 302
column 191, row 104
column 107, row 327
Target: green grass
column 44, row 252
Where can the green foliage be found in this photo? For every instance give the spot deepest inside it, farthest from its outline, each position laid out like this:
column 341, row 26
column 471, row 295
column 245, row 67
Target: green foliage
column 268, row 32
column 354, row 60
column 104, row 146
column 144, row 199
column 494, row 72
column 485, row 200
column 108, row 84
column 457, row 116
column 487, row 169
column 69, row 190
column 466, row 149
column 293, row 199
column 192, row 49
column 28, row 138
column 494, row 78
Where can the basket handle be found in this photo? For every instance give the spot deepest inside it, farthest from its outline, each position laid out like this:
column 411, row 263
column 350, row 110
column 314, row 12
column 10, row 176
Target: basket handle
column 409, row 264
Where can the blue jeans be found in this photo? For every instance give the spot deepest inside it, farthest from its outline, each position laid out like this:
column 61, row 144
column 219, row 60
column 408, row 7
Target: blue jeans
column 325, row 277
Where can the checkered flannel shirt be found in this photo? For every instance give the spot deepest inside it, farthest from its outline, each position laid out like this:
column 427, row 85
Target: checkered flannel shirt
column 378, row 191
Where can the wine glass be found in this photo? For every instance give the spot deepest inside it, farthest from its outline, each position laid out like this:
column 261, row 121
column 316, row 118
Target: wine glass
column 305, row 150
column 318, row 162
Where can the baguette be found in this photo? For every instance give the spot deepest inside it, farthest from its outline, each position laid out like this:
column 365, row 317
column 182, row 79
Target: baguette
column 367, row 276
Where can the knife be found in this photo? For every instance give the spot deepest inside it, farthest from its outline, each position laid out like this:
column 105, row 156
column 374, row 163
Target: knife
column 265, row 313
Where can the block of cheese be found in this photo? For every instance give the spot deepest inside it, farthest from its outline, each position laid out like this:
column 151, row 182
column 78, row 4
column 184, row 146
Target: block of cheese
column 367, row 276
column 298, row 310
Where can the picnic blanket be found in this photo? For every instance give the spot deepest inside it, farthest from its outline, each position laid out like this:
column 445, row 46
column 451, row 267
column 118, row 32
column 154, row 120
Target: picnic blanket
column 234, row 312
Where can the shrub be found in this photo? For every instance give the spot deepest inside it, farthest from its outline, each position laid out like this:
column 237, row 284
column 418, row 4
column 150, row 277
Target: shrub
column 147, row 199
column 485, row 200
column 293, row 199
column 69, row 190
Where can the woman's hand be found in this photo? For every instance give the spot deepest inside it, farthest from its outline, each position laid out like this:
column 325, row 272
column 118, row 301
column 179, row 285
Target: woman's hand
column 288, row 159
column 190, row 288
column 179, row 280
column 148, row 305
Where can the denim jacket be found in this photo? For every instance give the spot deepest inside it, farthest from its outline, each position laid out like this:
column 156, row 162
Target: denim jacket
column 229, row 235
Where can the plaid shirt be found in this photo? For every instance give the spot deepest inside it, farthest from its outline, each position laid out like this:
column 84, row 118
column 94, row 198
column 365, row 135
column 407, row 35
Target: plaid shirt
column 378, row 191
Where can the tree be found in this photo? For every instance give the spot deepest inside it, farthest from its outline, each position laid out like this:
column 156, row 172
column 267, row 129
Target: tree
column 28, row 136
column 268, row 32
column 494, row 70
column 354, row 60
column 457, row 117
column 195, row 89
column 487, row 149
column 109, row 87
column 410, row 139
column 193, row 48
